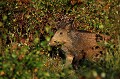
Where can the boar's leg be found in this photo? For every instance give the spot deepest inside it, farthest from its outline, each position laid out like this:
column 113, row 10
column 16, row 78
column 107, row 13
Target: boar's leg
column 77, row 58
column 75, row 62
column 69, row 59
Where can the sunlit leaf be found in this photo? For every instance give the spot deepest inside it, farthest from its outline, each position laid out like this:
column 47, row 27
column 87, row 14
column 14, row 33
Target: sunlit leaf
column 36, row 40
column 1, row 23
column 4, row 17
column 47, row 38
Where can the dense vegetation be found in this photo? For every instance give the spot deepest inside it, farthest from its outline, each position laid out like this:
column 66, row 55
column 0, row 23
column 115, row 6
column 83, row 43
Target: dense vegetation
column 26, row 27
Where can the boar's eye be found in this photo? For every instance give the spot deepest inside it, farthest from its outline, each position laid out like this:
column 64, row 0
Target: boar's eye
column 61, row 33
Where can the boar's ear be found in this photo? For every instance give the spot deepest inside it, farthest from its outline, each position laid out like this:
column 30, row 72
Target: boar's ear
column 60, row 25
column 68, row 27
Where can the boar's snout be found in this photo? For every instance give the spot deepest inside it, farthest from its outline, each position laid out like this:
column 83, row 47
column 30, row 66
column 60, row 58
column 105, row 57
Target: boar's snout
column 52, row 43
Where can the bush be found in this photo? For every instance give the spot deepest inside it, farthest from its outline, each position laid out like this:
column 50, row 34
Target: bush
column 26, row 27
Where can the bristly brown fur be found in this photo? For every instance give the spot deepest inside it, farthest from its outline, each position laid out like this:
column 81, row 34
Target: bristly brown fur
column 79, row 45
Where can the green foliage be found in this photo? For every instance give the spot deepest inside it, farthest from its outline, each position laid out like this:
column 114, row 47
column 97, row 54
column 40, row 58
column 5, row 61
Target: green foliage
column 26, row 27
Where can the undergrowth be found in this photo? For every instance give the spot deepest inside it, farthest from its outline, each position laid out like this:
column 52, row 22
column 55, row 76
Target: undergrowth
column 26, row 27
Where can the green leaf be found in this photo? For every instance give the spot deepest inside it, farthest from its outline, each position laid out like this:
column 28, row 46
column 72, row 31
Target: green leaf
column 101, row 26
column 49, row 48
column 43, row 43
column 36, row 40
column 47, row 38
column 1, row 24
column 47, row 29
column 14, row 55
column 4, row 17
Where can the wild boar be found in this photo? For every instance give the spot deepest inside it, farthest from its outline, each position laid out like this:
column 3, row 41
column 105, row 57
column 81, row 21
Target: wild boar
column 78, row 45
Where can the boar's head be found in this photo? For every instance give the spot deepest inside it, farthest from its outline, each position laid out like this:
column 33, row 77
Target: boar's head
column 60, row 37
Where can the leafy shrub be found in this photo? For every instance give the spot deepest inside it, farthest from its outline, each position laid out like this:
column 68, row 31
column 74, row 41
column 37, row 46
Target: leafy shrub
column 26, row 27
